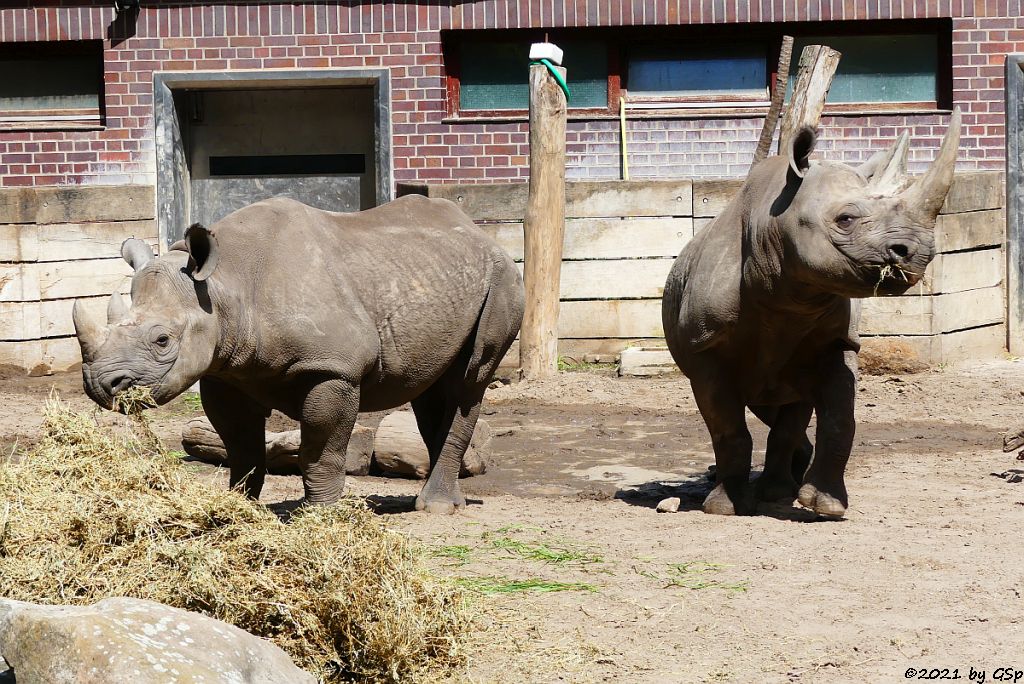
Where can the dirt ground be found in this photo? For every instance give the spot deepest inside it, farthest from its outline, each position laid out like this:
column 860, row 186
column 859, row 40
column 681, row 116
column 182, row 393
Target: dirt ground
column 925, row 572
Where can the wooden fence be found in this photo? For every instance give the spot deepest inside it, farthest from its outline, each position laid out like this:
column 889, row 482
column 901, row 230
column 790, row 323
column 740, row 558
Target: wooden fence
column 58, row 244
column 622, row 236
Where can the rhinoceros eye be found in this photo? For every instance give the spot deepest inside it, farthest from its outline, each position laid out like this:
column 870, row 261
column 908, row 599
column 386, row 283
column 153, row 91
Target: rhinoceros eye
column 845, row 221
column 163, row 340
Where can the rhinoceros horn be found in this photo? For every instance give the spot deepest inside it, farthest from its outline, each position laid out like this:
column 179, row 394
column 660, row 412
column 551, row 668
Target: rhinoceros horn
column 116, row 309
column 929, row 191
column 136, row 252
column 91, row 335
column 887, row 169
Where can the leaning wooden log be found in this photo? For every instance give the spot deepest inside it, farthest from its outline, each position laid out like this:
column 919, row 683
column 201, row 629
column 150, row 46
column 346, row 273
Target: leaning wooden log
column 398, row 448
column 818, row 64
column 201, row 441
column 771, row 119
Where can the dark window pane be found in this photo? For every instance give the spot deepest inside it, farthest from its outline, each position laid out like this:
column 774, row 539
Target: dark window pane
column 897, row 68
column 496, row 75
column 49, row 83
column 680, row 70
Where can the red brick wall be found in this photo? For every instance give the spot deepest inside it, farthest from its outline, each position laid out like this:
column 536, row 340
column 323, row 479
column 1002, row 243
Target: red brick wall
column 405, row 37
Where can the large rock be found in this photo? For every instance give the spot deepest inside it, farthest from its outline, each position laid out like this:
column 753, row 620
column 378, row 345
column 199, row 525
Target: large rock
column 201, row 441
column 398, row 448
column 122, row 640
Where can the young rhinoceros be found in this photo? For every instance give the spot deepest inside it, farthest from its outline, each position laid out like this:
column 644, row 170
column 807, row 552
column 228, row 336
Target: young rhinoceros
column 318, row 315
column 757, row 310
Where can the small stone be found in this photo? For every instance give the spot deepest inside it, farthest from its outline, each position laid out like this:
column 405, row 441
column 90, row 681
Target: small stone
column 669, row 505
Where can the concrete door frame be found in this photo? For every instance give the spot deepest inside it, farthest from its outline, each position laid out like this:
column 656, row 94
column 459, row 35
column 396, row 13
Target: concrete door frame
column 1015, row 204
column 172, row 176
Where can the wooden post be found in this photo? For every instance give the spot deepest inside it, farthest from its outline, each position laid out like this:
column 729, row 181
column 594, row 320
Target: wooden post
column 544, row 225
column 818, row 64
column 771, row 119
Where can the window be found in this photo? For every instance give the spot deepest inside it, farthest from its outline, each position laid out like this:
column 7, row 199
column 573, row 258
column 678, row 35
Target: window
column 51, row 85
column 698, row 74
column 897, row 68
column 494, row 76
column 706, row 70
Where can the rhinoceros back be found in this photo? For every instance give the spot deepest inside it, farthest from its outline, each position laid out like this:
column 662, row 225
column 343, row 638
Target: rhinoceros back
column 396, row 290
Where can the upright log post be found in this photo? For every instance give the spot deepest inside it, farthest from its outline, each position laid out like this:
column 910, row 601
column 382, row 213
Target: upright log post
column 544, row 224
column 818, row 64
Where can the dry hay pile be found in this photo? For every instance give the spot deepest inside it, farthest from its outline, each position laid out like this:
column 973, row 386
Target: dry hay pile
column 93, row 512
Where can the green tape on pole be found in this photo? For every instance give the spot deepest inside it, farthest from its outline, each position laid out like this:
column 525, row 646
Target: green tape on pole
column 557, row 74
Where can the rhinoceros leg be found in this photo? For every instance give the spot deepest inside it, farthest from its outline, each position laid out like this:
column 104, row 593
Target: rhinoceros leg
column 788, row 452
column 446, row 415
column 240, row 424
column 328, row 415
column 824, row 490
column 723, row 411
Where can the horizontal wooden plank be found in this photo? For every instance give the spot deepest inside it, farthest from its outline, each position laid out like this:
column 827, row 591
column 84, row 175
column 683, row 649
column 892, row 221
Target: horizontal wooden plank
column 61, row 279
column 606, row 238
column 968, row 309
column 614, row 279
column 68, row 241
column 40, row 357
column 583, row 199
column 963, row 271
column 710, row 197
column 49, row 318
column 896, row 315
column 931, row 314
column 970, row 230
column 77, row 203
column 975, row 191
column 978, row 343
column 985, row 342
column 638, row 318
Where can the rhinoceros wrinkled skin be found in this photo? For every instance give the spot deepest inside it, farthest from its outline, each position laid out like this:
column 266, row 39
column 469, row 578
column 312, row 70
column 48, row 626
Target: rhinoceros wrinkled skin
column 757, row 310
column 318, row 315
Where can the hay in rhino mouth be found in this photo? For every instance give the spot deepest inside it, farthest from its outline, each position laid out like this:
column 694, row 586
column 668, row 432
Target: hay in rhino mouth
column 892, row 273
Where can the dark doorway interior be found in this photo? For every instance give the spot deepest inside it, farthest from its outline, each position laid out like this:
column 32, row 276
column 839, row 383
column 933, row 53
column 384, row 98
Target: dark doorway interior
column 315, row 145
column 227, row 139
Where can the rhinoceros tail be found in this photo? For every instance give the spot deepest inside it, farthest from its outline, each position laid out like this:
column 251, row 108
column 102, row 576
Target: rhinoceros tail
column 499, row 319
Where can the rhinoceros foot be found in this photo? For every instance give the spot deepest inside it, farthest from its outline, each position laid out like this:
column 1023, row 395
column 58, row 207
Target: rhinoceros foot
column 439, row 503
column 720, row 502
column 821, row 502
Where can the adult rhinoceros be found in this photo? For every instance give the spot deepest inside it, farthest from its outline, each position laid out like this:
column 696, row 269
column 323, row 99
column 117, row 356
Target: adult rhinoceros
column 757, row 310
column 318, row 315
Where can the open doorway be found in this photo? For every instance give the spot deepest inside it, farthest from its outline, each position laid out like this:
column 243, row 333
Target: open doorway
column 226, row 140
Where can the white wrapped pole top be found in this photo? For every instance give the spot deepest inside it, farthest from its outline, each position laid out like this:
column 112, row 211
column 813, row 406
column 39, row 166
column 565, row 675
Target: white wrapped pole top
column 548, row 51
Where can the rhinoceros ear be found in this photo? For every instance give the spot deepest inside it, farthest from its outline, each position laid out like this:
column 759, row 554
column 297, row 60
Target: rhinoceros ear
column 137, row 253
column 800, row 150
column 202, row 251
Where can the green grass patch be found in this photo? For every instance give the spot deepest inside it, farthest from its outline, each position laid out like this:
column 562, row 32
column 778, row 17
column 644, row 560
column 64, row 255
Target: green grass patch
column 491, row 585
column 455, row 552
column 556, row 554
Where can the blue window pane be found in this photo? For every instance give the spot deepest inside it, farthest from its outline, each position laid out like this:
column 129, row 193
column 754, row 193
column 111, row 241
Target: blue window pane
column 496, row 75
column 897, row 68
column 670, row 70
